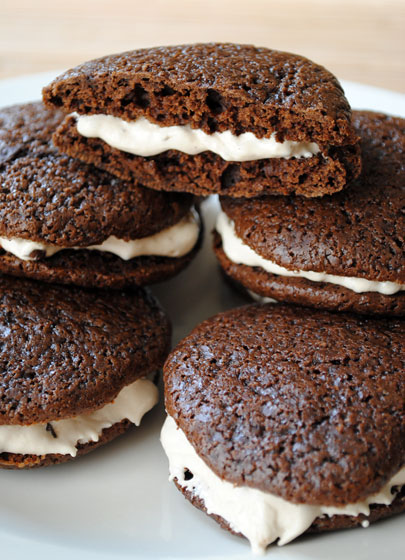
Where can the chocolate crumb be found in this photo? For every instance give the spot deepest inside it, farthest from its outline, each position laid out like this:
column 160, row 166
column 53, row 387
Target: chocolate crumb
column 37, row 255
column 188, row 475
column 49, row 428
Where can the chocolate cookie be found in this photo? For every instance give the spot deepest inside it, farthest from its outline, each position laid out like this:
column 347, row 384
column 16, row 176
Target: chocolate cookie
column 341, row 252
column 210, row 118
column 62, row 220
column 74, row 367
column 291, row 412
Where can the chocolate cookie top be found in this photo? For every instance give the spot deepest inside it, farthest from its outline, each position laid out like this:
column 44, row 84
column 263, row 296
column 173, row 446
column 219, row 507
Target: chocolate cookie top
column 214, row 87
column 358, row 232
column 300, row 403
column 66, row 351
column 46, row 196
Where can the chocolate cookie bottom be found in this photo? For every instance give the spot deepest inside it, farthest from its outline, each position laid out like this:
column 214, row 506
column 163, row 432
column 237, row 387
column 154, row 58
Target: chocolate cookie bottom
column 20, row 461
column 207, row 173
column 321, row 295
column 97, row 269
column 321, row 524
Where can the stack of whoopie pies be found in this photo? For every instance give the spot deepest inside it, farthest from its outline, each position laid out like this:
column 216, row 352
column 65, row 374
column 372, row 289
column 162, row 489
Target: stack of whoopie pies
column 282, row 417
column 78, row 365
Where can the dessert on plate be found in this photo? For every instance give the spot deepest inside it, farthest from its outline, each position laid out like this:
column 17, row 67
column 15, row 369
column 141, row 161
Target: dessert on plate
column 209, row 118
column 340, row 252
column 283, row 420
column 67, row 222
column 75, row 368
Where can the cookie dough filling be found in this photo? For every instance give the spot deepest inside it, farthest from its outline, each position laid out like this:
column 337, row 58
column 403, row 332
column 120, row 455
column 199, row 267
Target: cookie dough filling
column 144, row 138
column 261, row 517
column 240, row 253
column 174, row 241
column 62, row 436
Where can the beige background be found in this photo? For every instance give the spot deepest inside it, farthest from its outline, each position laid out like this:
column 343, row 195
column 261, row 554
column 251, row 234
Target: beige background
column 360, row 40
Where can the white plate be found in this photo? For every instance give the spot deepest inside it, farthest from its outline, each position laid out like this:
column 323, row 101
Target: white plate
column 116, row 502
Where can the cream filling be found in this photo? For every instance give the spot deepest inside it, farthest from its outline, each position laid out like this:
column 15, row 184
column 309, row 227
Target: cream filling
column 261, row 517
column 131, row 403
column 240, row 253
column 174, row 241
column 144, row 138
column 261, row 299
